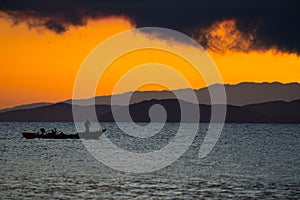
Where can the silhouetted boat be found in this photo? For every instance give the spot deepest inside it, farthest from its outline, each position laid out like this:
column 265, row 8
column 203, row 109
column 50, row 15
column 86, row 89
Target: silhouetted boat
column 91, row 135
column 83, row 135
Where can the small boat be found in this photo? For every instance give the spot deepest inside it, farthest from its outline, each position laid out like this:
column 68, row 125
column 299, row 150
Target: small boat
column 29, row 135
column 90, row 135
column 53, row 135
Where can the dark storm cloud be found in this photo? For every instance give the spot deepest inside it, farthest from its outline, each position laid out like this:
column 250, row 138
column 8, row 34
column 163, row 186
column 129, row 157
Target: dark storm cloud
column 53, row 25
column 275, row 23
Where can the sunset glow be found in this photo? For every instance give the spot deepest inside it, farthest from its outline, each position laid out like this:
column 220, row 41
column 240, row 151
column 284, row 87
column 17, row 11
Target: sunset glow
column 40, row 65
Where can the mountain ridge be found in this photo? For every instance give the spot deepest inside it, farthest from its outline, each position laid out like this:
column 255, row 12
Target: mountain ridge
column 139, row 112
column 26, row 106
column 243, row 93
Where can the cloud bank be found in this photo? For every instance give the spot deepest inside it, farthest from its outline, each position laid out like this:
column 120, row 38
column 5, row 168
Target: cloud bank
column 264, row 24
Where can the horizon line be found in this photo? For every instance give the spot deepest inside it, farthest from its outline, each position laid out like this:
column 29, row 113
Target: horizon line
column 88, row 98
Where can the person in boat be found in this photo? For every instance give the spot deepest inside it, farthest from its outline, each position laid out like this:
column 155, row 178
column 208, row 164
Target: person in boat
column 43, row 131
column 87, row 125
column 52, row 133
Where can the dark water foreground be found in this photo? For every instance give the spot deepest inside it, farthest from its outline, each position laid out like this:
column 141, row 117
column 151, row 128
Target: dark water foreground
column 249, row 160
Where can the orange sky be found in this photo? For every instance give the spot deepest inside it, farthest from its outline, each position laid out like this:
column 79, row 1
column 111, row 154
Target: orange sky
column 39, row 65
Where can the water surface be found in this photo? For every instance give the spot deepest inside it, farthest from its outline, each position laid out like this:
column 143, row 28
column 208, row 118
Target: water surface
column 249, row 160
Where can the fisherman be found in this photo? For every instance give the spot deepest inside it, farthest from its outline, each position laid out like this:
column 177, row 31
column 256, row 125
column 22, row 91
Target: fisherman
column 87, row 125
column 43, row 131
column 51, row 133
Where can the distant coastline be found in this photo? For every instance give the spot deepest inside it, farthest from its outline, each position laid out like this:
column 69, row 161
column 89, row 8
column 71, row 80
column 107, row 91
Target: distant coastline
column 246, row 103
column 270, row 112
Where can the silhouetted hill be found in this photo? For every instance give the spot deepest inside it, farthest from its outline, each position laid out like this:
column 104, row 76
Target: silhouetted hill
column 250, row 93
column 278, row 111
column 140, row 113
column 270, row 112
column 60, row 112
column 56, row 112
column 238, row 95
column 26, row 106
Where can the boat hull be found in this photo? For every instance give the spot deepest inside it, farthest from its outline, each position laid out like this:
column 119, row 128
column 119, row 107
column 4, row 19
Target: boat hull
column 29, row 135
column 90, row 135
column 83, row 135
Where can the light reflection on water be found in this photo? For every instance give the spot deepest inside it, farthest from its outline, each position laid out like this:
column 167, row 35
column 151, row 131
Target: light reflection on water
column 249, row 160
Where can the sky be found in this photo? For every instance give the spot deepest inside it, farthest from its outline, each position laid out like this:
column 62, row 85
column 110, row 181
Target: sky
column 43, row 43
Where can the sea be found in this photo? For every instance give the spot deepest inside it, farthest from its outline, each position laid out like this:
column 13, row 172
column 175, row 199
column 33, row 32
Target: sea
column 249, row 161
